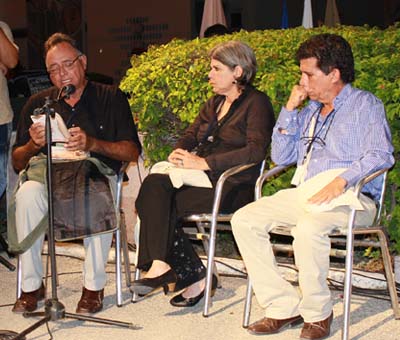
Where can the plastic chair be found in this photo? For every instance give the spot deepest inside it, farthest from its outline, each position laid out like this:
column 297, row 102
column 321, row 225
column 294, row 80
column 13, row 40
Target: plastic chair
column 210, row 221
column 121, row 244
column 349, row 233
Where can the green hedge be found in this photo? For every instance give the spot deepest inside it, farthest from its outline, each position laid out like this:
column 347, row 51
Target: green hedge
column 168, row 84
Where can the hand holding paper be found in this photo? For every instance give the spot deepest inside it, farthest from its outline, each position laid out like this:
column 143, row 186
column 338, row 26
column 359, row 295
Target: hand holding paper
column 59, row 132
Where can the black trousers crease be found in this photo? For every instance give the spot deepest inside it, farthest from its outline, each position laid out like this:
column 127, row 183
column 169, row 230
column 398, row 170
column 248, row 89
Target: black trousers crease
column 161, row 208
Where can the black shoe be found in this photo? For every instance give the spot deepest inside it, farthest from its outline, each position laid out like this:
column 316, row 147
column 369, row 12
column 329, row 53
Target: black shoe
column 180, row 301
column 145, row 286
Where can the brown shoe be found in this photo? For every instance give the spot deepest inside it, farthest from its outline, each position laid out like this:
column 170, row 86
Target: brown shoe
column 28, row 302
column 317, row 330
column 91, row 301
column 271, row 326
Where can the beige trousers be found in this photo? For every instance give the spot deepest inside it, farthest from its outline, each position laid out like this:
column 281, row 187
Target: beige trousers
column 251, row 225
column 31, row 206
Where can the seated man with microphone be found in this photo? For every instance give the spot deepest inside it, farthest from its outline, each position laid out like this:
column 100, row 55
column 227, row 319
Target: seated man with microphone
column 99, row 122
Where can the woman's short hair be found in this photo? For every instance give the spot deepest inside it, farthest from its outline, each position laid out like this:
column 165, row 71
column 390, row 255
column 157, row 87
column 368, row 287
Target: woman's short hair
column 58, row 38
column 331, row 51
column 236, row 53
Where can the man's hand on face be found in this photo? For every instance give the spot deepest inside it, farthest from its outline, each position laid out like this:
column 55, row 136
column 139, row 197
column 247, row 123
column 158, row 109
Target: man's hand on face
column 297, row 96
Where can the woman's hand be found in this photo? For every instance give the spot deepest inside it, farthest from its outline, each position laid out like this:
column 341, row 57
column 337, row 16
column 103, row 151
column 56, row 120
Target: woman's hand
column 184, row 159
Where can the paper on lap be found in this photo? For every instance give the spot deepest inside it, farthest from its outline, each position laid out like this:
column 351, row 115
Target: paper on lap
column 181, row 176
column 310, row 187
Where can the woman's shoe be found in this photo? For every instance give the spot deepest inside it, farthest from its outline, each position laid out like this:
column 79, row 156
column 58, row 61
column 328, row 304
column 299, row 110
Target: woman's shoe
column 181, row 301
column 145, row 286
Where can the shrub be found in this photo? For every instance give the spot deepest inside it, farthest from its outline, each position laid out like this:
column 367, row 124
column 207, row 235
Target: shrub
column 168, row 84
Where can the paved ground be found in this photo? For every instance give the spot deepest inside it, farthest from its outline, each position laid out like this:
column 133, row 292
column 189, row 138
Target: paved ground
column 156, row 319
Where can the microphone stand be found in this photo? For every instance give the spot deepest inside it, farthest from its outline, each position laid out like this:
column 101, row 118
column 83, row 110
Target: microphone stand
column 54, row 309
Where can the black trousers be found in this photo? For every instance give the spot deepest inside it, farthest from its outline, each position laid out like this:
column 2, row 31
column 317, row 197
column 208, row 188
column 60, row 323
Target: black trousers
column 161, row 208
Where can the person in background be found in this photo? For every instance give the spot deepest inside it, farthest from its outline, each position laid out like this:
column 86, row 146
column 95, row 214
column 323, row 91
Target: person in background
column 216, row 29
column 99, row 121
column 234, row 127
column 339, row 136
column 8, row 60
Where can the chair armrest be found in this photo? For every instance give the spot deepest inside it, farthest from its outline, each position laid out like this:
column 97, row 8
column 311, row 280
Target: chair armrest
column 220, row 183
column 122, row 169
column 120, row 179
column 364, row 180
column 267, row 174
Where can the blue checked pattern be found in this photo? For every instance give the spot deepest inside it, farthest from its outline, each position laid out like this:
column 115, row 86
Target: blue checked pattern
column 358, row 138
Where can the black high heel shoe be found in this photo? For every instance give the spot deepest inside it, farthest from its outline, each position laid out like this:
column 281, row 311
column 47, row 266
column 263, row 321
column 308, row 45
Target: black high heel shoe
column 181, row 301
column 145, row 286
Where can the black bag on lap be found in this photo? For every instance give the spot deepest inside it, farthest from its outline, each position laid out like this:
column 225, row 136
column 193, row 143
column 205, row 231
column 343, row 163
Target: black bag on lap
column 82, row 201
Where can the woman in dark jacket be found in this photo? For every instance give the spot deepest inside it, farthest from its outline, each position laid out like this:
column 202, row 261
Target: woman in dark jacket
column 234, row 127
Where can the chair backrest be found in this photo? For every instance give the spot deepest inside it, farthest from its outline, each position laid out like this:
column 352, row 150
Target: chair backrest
column 381, row 200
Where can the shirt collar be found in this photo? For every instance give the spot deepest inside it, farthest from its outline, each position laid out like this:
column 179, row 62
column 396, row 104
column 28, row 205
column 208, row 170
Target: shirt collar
column 342, row 96
column 339, row 99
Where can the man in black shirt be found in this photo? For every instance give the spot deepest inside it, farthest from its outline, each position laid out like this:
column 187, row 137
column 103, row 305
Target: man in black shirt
column 99, row 121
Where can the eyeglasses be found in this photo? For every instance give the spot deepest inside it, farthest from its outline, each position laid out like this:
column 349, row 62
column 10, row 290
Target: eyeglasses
column 315, row 139
column 66, row 65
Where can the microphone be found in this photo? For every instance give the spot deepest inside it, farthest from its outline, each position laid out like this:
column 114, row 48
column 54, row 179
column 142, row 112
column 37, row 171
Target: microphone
column 38, row 111
column 66, row 91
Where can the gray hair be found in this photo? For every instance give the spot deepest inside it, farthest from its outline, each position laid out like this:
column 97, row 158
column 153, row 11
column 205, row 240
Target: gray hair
column 58, row 38
column 237, row 53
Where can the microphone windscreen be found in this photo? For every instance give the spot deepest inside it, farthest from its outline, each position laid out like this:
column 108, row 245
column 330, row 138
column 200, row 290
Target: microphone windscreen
column 69, row 89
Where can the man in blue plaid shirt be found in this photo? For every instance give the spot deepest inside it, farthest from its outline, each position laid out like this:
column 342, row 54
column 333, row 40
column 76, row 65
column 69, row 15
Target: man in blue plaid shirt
column 339, row 136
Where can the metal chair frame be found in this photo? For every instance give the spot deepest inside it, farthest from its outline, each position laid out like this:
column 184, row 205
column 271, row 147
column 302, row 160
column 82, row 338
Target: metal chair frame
column 121, row 244
column 210, row 221
column 349, row 234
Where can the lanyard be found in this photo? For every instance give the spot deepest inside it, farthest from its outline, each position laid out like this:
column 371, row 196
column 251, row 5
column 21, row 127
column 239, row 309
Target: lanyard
column 314, row 136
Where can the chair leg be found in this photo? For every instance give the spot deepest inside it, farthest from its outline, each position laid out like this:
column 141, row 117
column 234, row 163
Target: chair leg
column 125, row 251
column 206, row 245
column 19, row 278
column 247, row 304
column 135, row 297
column 118, row 274
column 389, row 273
column 387, row 264
column 210, row 267
column 348, row 277
column 19, row 275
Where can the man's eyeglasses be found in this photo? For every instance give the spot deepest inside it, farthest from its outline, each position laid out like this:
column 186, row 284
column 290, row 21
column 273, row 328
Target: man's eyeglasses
column 315, row 139
column 66, row 65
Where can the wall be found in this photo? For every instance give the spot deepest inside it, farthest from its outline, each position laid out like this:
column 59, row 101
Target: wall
column 129, row 26
column 117, row 28
column 113, row 31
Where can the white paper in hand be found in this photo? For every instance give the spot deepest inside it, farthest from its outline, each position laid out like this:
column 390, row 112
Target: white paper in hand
column 60, row 135
column 59, row 131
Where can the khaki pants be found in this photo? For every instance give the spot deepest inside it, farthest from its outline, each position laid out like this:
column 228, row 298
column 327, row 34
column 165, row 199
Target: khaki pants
column 31, row 206
column 251, row 225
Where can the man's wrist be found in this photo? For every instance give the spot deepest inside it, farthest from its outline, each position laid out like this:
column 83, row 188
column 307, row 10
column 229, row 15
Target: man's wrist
column 35, row 146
